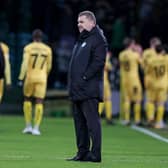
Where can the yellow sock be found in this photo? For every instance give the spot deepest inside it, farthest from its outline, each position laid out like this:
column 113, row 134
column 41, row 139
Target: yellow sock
column 27, row 109
column 108, row 109
column 160, row 113
column 101, row 107
column 38, row 114
column 150, row 109
column 137, row 112
column 127, row 111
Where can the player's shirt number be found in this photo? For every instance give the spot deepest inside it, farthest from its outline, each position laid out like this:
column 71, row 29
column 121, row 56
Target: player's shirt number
column 36, row 58
column 159, row 70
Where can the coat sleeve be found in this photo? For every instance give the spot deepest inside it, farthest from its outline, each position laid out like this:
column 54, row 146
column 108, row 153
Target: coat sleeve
column 98, row 60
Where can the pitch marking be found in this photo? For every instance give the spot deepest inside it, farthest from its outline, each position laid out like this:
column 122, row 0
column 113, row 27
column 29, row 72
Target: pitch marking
column 150, row 133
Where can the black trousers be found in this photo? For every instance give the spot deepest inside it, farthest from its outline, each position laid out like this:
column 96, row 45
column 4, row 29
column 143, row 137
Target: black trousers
column 87, row 126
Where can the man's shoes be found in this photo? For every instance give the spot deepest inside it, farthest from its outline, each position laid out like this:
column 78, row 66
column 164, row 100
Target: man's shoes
column 79, row 156
column 87, row 157
column 75, row 158
column 90, row 157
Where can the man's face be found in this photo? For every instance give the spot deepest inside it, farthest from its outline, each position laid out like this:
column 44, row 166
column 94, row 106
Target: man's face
column 84, row 23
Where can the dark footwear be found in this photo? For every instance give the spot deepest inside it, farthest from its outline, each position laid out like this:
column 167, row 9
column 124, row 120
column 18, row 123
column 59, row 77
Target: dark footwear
column 150, row 124
column 140, row 124
column 75, row 158
column 89, row 157
column 110, row 122
column 79, row 156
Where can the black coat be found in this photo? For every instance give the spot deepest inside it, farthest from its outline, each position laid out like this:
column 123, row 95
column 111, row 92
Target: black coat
column 85, row 77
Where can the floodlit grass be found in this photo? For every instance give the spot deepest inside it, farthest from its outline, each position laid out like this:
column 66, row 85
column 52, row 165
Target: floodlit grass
column 162, row 132
column 122, row 146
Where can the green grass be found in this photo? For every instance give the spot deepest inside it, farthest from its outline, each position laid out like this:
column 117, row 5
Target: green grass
column 162, row 132
column 122, row 146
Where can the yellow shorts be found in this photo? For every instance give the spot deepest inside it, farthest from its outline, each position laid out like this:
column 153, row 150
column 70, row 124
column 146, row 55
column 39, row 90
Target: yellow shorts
column 158, row 95
column 35, row 89
column 1, row 88
column 132, row 92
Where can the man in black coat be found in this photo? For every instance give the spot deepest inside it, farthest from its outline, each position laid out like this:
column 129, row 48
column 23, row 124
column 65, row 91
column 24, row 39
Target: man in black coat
column 86, row 87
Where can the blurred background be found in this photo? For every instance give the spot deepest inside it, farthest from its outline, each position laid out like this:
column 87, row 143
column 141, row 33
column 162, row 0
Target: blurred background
column 141, row 19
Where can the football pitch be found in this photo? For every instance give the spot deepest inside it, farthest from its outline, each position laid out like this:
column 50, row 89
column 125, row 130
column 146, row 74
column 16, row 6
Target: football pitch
column 123, row 147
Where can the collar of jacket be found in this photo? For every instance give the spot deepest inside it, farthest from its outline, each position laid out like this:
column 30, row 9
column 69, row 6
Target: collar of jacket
column 84, row 34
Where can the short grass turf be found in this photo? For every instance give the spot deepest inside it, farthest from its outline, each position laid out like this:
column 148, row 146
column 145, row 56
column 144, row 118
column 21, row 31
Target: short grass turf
column 122, row 147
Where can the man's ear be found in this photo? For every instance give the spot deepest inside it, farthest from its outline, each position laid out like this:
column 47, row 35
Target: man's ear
column 93, row 23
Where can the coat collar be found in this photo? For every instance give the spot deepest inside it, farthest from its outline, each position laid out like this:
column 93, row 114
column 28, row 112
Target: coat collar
column 84, row 34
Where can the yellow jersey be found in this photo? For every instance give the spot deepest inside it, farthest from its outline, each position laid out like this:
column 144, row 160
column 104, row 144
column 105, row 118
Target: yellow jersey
column 129, row 62
column 147, row 55
column 5, row 50
column 158, row 71
column 37, row 62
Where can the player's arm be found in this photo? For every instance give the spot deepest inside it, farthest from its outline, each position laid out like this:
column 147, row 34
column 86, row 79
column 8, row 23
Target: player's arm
column 49, row 61
column 24, row 64
column 149, row 67
column 167, row 62
column 7, row 67
column 108, row 65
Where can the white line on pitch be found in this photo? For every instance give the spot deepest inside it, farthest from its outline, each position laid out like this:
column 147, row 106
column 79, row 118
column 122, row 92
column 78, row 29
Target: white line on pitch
column 150, row 133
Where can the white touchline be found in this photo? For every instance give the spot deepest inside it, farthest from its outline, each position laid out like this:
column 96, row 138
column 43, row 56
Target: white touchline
column 150, row 133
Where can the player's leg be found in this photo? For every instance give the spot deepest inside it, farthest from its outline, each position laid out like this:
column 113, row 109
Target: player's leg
column 38, row 116
column 101, row 108
column 137, row 112
column 101, row 105
column 108, row 103
column 126, row 120
column 150, row 106
column 160, row 109
column 121, row 114
column 1, row 88
column 159, row 115
column 40, row 91
column 137, row 98
column 27, row 106
column 126, row 106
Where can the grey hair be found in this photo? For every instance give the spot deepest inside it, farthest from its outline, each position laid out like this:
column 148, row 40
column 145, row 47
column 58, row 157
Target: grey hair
column 90, row 15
